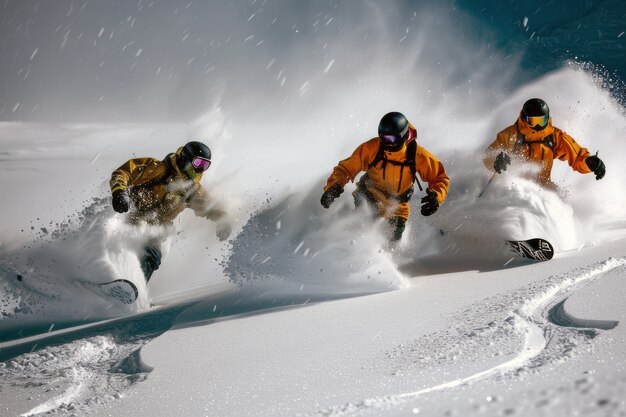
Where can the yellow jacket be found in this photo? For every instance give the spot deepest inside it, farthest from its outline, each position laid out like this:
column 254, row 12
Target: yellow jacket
column 159, row 191
column 388, row 180
column 540, row 147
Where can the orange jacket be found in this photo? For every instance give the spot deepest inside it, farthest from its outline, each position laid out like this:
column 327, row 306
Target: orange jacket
column 159, row 191
column 389, row 180
column 540, row 147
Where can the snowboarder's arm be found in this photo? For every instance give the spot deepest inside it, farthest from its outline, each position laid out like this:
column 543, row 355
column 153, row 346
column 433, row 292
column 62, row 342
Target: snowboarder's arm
column 566, row 149
column 431, row 170
column 350, row 167
column 121, row 177
column 500, row 144
column 204, row 205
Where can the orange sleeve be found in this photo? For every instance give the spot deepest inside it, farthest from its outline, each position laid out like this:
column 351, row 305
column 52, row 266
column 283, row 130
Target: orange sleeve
column 566, row 149
column 121, row 176
column 350, row 167
column 497, row 146
column 431, row 170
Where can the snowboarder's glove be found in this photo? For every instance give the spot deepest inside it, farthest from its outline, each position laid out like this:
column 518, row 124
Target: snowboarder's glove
column 120, row 201
column 502, row 160
column 430, row 204
column 223, row 229
column 329, row 195
column 596, row 165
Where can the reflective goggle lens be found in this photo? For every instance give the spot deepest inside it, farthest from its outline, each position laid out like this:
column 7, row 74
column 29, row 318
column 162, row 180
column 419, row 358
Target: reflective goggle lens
column 390, row 139
column 536, row 120
column 201, row 164
column 394, row 139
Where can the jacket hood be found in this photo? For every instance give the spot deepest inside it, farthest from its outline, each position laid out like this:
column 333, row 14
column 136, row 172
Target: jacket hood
column 532, row 134
column 174, row 161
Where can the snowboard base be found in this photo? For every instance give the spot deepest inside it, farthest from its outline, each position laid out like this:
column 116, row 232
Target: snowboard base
column 537, row 249
column 120, row 289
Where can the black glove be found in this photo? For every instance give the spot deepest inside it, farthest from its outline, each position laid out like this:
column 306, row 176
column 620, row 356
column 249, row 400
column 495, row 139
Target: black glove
column 120, row 201
column 502, row 160
column 596, row 165
column 329, row 195
column 430, row 204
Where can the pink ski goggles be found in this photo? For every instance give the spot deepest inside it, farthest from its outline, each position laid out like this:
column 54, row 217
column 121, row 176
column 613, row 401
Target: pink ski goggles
column 201, row 164
column 393, row 139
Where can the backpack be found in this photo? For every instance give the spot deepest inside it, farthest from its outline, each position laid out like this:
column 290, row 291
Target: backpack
column 411, row 150
column 521, row 140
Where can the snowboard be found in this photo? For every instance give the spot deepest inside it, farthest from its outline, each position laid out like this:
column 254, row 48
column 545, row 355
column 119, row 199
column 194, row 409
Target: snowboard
column 120, row 289
column 537, row 249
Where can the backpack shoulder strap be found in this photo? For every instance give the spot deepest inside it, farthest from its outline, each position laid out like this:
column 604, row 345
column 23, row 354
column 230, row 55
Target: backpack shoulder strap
column 411, row 152
column 521, row 140
column 380, row 155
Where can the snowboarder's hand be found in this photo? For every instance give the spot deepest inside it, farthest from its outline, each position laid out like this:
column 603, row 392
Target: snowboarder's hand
column 215, row 214
column 120, row 201
column 502, row 160
column 223, row 229
column 329, row 195
column 430, row 204
column 596, row 165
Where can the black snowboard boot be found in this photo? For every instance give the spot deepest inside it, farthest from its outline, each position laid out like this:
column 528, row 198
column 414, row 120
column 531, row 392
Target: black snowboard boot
column 396, row 228
column 150, row 261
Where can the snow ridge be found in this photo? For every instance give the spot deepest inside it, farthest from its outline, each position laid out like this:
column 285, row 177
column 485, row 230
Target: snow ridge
column 88, row 372
column 529, row 321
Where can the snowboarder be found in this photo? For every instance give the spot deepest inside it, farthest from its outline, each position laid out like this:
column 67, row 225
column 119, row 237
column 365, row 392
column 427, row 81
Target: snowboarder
column 533, row 139
column 156, row 192
column 390, row 161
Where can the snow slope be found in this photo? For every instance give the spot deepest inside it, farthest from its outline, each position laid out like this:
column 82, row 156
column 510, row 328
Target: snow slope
column 302, row 311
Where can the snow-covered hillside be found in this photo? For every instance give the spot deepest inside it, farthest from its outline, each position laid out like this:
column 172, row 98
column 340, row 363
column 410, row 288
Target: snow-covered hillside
column 302, row 311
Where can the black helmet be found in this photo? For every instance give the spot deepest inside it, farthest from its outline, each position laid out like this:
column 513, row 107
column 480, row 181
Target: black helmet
column 536, row 113
column 393, row 130
column 194, row 157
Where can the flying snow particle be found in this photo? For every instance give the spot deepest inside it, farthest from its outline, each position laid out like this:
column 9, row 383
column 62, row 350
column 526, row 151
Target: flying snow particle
column 298, row 247
column 620, row 35
column 65, row 38
column 328, row 67
column 304, row 88
column 34, row 53
column 525, row 22
column 17, row 106
column 138, row 52
column 101, row 32
column 251, row 16
column 270, row 64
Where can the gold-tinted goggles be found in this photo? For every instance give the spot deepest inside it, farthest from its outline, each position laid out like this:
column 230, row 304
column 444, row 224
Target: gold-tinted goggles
column 537, row 120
